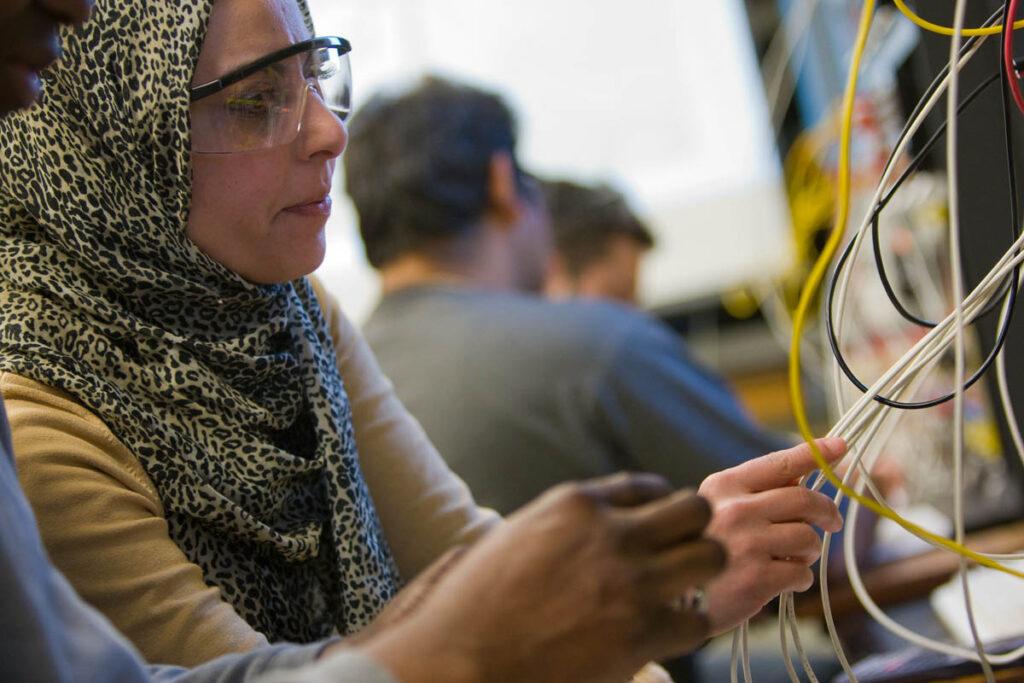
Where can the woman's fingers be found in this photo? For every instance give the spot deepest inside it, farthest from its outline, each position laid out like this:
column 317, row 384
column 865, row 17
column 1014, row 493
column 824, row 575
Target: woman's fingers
column 798, row 504
column 786, row 575
column 793, row 541
column 781, row 468
column 766, row 523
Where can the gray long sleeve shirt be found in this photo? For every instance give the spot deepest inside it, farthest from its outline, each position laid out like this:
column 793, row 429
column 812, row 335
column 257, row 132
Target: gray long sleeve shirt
column 519, row 393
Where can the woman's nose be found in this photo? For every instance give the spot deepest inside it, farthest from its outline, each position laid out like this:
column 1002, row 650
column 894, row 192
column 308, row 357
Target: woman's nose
column 322, row 132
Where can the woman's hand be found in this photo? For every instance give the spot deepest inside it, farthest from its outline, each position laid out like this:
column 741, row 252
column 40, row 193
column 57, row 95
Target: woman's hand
column 765, row 522
column 577, row 586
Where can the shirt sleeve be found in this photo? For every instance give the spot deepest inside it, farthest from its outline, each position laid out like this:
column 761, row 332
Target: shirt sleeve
column 347, row 666
column 424, row 507
column 273, row 664
column 46, row 632
column 103, row 525
column 668, row 414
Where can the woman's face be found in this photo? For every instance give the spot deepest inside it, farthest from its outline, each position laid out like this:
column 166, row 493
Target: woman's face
column 261, row 213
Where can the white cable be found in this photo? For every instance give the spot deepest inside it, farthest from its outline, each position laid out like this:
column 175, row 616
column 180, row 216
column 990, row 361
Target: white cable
column 801, row 653
column 787, row 618
column 789, row 40
column 745, row 651
column 872, row 608
column 959, row 360
column 884, row 418
column 856, row 582
column 1005, row 399
column 861, row 422
column 784, row 598
column 734, row 658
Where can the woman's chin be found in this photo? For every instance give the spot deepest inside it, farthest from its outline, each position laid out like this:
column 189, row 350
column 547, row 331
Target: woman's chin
column 287, row 266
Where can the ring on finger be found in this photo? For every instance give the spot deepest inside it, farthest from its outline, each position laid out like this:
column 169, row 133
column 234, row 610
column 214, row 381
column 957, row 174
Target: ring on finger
column 694, row 600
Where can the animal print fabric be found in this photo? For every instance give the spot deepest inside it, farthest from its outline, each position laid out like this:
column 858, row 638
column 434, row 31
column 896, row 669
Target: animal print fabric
column 226, row 391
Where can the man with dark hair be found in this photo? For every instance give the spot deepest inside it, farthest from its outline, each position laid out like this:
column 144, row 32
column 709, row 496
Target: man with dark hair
column 451, row 153
column 598, row 242
column 518, row 393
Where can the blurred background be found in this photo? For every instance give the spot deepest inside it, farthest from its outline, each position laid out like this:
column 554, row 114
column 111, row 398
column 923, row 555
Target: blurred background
column 719, row 120
column 663, row 98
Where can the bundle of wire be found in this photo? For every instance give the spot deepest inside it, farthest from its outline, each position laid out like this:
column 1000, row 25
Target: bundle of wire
column 865, row 424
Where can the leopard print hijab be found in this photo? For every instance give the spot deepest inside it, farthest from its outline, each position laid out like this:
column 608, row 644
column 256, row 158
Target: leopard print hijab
column 227, row 392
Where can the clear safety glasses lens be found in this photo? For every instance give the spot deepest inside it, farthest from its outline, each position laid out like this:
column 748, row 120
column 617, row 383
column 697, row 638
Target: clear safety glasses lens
column 266, row 109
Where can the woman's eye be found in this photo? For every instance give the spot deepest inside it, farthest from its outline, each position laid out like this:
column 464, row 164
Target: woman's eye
column 250, row 105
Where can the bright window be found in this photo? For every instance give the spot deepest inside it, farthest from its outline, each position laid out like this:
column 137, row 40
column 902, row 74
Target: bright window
column 661, row 97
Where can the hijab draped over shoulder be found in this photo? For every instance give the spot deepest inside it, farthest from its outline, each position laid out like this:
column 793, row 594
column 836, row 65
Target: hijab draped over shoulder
column 227, row 392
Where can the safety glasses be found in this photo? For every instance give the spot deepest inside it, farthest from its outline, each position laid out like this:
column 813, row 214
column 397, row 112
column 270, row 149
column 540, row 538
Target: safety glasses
column 261, row 105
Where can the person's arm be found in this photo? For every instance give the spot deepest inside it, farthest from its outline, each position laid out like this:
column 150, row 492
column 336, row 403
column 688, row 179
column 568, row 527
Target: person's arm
column 104, row 527
column 423, row 506
column 666, row 413
column 338, row 664
column 579, row 585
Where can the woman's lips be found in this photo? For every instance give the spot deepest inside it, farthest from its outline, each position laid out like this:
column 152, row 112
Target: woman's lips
column 318, row 208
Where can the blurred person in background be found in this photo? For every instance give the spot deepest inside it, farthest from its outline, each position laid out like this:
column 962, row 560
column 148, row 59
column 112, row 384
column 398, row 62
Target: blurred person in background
column 518, row 393
column 599, row 242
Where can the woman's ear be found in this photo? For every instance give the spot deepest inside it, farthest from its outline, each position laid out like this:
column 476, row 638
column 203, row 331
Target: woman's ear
column 503, row 197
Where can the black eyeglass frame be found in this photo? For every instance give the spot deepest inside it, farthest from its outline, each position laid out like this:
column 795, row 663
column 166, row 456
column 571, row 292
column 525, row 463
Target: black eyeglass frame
column 214, row 86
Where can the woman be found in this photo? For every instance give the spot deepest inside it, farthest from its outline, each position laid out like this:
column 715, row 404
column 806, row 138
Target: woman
column 188, row 423
column 185, row 406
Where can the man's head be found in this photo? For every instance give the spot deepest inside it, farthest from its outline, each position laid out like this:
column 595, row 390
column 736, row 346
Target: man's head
column 29, row 43
column 598, row 241
column 432, row 172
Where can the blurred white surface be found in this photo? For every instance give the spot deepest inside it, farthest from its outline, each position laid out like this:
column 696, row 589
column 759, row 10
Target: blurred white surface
column 997, row 601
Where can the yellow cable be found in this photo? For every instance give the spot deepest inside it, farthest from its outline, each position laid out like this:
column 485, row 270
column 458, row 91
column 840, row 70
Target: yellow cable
column 807, row 296
column 947, row 31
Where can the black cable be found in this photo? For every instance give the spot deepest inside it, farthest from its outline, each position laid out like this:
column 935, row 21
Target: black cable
column 937, row 81
column 876, row 213
column 1014, row 209
column 915, row 163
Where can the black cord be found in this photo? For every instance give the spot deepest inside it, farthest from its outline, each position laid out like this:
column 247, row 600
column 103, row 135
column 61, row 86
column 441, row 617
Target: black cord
column 876, row 213
column 915, row 163
column 937, row 81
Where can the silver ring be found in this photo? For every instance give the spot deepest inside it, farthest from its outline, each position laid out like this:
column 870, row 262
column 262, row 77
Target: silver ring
column 694, row 600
